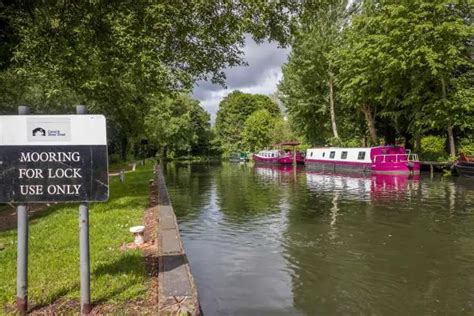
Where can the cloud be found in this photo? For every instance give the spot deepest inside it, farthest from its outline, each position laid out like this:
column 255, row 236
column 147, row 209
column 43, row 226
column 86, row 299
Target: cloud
column 260, row 76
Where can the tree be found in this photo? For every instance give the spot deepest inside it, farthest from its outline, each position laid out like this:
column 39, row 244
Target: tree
column 258, row 129
column 360, row 67
column 114, row 56
column 282, row 131
column 308, row 88
column 177, row 125
column 233, row 112
column 406, row 56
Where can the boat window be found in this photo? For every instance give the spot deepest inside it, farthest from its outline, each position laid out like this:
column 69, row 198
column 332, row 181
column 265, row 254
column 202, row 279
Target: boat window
column 273, row 155
column 311, row 154
column 344, row 155
column 361, row 155
column 332, row 154
column 324, row 154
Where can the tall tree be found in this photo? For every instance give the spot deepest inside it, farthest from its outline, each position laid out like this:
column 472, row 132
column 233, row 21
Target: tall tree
column 177, row 125
column 258, row 129
column 234, row 110
column 400, row 61
column 309, row 77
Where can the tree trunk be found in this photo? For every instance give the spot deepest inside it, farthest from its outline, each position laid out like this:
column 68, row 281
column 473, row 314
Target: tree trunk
column 418, row 143
column 331, row 104
column 452, row 146
column 164, row 152
column 370, row 119
column 123, row 147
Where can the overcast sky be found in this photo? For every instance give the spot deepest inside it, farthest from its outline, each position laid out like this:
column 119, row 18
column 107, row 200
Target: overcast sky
column 260, row 76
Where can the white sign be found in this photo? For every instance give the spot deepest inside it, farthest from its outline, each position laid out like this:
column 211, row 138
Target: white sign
column 35, row 130
column 57, row 158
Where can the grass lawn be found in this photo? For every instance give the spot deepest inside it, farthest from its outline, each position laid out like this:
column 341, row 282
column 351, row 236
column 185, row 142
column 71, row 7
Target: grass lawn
column 53, row 270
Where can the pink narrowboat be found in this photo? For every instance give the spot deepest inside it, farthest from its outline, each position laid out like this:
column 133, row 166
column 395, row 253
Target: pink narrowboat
column 376, row 160
column 279, row 157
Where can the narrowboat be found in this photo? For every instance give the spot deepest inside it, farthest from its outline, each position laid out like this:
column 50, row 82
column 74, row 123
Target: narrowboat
column 465, row 165
column 279, row 157
column 391, row 160
column 238, row 157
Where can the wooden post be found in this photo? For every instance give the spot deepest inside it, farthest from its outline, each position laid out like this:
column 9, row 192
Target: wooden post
column 431, row 170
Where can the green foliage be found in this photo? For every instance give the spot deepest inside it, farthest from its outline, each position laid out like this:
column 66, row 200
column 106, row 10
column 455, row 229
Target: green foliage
column 116, row 57
column 309, row 77
column 282, row 131
column 178, row 125
column 467, row 146
column 405, row 67
column 257, row 132
column 234, row 110
column 433, row 148
column 337, row 142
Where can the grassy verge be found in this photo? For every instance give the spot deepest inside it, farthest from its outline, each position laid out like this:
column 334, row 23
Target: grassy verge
column 116, row 276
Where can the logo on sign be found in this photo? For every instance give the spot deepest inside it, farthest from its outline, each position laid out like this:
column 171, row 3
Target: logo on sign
column 49, row 129
column 39, row 132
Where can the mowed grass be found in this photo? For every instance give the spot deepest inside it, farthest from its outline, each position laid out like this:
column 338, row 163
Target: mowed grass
column 53, row 270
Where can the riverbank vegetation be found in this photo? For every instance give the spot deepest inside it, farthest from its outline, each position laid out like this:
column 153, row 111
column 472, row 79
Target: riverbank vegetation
column 383, row 72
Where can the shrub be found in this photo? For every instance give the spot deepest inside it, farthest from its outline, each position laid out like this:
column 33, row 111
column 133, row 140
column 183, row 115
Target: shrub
column 433, row 148
column 466, row 147
column 114, row 158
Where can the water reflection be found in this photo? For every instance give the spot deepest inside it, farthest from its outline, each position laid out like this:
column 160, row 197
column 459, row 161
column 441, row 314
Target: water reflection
column 360, row 186
column 268, row 240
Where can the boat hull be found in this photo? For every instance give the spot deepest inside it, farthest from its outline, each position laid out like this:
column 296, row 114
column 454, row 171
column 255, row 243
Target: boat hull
column 465, row 169
column 412, row 168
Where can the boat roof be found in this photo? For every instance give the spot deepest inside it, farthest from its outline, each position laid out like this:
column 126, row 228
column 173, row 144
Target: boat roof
column 288, row 143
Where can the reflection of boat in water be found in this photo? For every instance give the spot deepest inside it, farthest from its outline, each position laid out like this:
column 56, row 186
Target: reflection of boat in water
column 391, row 160
column 239, row 157
column 360, row 185
column 276, row 171
column 465, row 165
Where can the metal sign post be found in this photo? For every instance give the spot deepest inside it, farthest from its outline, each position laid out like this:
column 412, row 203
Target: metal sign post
column 22, row 254
column 84, row 247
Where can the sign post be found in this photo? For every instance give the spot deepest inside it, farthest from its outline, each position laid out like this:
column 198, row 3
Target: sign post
column 22, row 252
column 53, row 158
column 84, row 246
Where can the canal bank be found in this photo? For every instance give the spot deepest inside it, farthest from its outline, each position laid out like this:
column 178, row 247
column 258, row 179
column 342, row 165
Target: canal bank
column 177, row 289
column 126, row 278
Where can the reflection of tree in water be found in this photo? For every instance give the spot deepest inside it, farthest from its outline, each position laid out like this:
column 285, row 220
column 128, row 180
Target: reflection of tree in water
column 377, row 255
column 189, row 186
column 242, row 197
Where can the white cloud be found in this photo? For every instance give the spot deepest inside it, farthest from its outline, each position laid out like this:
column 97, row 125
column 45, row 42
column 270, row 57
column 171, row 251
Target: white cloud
column 260, row 76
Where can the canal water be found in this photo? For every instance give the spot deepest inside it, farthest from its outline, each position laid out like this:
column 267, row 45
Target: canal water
column 279, row 241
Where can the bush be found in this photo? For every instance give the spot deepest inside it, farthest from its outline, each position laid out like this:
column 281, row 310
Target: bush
column 433, row 148
column 338, row 142
column 114, row 158
column 466, row 147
